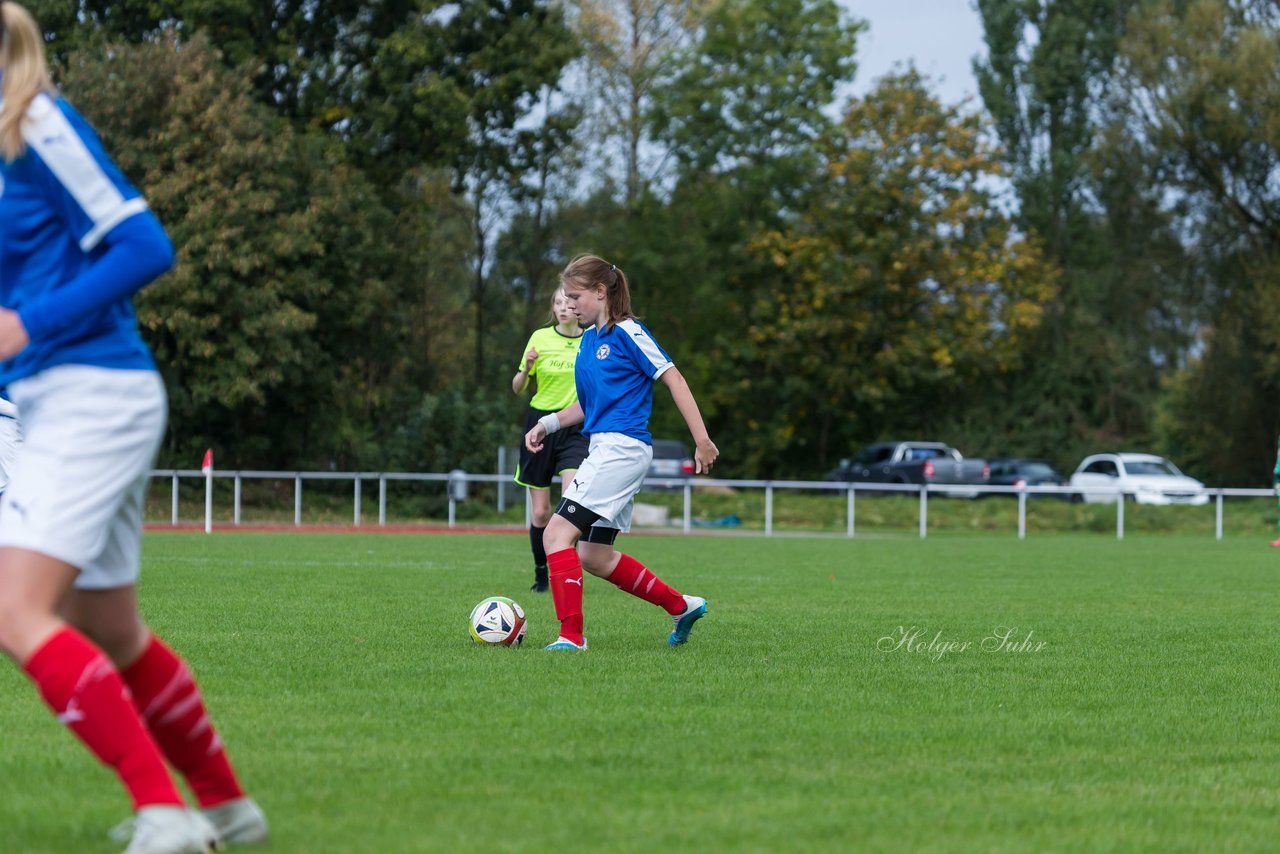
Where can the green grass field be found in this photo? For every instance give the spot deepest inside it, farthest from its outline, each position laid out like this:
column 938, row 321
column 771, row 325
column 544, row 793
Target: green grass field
column 361, row 715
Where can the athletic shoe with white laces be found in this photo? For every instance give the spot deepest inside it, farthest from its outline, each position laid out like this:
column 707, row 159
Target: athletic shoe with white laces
column 238, row 822
column 166, row 830
column 695, row 608
column 565, row 643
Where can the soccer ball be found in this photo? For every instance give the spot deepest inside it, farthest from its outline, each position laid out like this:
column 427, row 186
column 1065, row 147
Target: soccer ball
column 498, row 620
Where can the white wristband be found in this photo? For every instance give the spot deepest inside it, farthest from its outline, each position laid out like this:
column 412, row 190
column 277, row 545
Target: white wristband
column 550, row 423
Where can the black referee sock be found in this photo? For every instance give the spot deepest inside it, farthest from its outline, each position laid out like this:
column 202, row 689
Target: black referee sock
column 539, row 553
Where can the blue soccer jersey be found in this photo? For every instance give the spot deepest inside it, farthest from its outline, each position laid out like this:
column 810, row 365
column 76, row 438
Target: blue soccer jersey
column 60, row 202
column 615, row 373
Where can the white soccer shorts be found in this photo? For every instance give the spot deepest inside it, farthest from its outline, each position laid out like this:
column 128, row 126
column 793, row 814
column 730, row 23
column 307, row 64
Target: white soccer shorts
column 607, row 481
column 10, row 440
column 79, row 479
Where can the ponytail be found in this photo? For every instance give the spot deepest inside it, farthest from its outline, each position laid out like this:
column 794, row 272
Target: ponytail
column 586, row 271
column 26, row 74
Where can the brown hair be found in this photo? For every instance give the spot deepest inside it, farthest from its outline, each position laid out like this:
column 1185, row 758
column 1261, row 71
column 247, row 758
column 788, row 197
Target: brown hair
column 26, row 74
column 587, row 271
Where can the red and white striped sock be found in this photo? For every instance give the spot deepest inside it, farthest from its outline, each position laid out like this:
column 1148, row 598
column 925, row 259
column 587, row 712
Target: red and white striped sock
column 566, row 591
column 85, row 691
column 170, row 703
column 635, row 578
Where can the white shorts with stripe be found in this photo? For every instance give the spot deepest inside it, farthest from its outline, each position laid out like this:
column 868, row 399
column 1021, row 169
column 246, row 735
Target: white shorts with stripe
column 607, row 481
column 10, row 440
column 79, row 479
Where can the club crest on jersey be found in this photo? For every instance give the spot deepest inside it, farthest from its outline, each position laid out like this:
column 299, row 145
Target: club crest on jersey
column 603, row 352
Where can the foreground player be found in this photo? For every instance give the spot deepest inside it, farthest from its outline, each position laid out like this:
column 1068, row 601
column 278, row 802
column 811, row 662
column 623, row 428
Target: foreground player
column 615, row 375
column 10, row 438
column 549, row 359
column 76, row 242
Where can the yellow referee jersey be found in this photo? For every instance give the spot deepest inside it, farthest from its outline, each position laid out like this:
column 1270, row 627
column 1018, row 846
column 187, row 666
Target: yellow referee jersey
column 557, row 355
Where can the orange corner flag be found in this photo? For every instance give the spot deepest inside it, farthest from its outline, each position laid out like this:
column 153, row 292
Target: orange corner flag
column 207, row 465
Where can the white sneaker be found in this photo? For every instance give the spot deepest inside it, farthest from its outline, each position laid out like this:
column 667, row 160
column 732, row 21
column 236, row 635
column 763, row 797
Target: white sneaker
column 169, row 830
column 238, row 822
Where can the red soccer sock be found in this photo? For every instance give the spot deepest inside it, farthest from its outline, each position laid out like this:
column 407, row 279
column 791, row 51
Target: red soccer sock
column 566, row 591
column 87, row 694
column 170, row 704
column 632, row 576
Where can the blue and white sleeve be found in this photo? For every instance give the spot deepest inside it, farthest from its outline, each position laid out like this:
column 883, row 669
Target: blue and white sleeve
column 88, row 190
column 648, row 356
column 107, row 216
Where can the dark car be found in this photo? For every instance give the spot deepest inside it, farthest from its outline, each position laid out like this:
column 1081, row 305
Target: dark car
column 1022, row 471
column 671, row 460
column 912, row 462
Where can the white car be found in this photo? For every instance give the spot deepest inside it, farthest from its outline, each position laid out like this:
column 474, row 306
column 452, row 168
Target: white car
column 1144, row 478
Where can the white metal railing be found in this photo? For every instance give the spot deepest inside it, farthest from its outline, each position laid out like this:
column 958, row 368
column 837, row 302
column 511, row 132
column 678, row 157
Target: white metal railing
column 455, row 484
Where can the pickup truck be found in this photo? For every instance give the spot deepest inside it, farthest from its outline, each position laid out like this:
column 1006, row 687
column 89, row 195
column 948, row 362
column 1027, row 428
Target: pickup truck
column 912, row 462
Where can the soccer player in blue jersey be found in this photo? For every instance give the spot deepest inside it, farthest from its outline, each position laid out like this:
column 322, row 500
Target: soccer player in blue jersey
column 618, row 364
column 76, row 242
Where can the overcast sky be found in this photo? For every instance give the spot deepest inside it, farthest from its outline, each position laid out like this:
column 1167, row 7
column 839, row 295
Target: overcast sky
column 940, row 37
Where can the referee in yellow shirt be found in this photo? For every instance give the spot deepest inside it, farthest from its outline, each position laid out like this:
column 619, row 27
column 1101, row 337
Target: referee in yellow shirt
column 549, row 360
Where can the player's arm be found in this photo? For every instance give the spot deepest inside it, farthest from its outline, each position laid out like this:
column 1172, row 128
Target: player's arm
column 134, row 253
column 548, row 424
column 521, row 379
column 705, row 450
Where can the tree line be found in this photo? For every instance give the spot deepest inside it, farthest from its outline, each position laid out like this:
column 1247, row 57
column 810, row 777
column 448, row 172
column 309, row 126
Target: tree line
column 371, row 202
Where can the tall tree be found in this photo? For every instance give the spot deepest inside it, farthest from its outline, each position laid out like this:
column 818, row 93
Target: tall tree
column 1204, row 85
column 482, row 67
column 306, row 58
column 901, row 290
column 548, row 161
column 287, row 287
column 747, row 100
column 745, row 111
column 1085, row 190
column 630, row 47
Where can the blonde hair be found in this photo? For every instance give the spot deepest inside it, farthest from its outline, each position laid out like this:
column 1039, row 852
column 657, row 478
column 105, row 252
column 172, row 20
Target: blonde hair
column 587, row 271
column 26, row 74
column 555, row 294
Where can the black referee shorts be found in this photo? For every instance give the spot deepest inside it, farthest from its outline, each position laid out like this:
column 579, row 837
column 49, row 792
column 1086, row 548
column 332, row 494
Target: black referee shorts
column 563, row 450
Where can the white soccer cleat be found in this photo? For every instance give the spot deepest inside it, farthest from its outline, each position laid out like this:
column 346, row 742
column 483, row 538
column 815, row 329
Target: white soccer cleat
column 169, row 830
column 238, row 822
